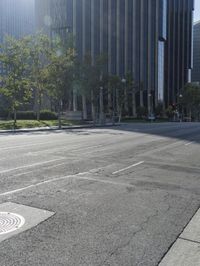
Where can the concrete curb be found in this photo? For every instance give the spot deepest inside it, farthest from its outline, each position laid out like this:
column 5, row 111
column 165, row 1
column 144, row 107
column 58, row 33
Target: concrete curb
column 185, row 251
column 43, row 129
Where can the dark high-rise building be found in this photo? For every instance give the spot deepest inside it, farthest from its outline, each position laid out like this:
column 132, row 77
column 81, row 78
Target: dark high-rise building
column 16, row 18
column 178, row 48
column 196, row 54
column 151, row 39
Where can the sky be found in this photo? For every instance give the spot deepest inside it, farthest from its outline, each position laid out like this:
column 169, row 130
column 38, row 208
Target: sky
column 197, row 10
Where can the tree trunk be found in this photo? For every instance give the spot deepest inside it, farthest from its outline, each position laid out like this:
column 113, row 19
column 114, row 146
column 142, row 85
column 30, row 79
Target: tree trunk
column 110, row 103
column 38, row 104
column 117, row 102
column 84, row 104
column 126, row 102
column 70, row 102
column 38, row 110
column 113, row 106
column 133, row 105
column 74, row 101
column 141, row 99
column 93, row 108
column 59, row 115
column 15, row 119
column 190, row 114
column 120, row 114
column 101, row 107
column 149, row 103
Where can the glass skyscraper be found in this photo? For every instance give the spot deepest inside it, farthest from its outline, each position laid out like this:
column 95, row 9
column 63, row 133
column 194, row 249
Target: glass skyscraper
column 196, row 54
column 151, row 39
column 17, row 18
column 179, row 48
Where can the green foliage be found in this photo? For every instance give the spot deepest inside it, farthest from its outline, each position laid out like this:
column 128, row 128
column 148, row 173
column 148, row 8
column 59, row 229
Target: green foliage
column 48, row 115
column 31, row 115
column 130, row 84
column 191, row 96
column 169, row 111
column 15, row 85
column 191, row 100
column 6, row 125
column 141, row 112
column 89, row 76
column 25, row 115
column 59, row 71
column 40, row 51
column 159, row 111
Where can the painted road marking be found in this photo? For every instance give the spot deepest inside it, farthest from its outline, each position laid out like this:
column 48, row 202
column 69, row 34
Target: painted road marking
column 24, row 146
column 126, row 168
column 31, row 165
column 189, row 143
column 77, row 176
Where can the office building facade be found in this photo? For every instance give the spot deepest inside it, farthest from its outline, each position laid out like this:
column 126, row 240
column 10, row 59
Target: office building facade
column 196, row 53
column 179, row 48
column 151, row 39
column 17, row 19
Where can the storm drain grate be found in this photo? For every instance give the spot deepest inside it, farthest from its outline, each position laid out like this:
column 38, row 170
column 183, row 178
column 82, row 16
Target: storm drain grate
column 10, row 222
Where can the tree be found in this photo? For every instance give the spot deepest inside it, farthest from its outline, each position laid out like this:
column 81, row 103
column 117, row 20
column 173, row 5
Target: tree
column 40, row 47
column 15, row 83
column 83, row 79
column 131, row 88
column 89, row 78
column 118, row 85
column 170, row 112
column 113, row 85
column 59, row 73
column 191, row 100
column 142, row 112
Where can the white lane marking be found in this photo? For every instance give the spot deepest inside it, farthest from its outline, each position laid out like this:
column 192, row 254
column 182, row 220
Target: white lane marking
column 17, row 190
column 58, row 149
column 31, row 165
column 77, row 176
column 189, row 143
column 30, row 172
column 23, row 146
column 40, row 143
column 126, row 168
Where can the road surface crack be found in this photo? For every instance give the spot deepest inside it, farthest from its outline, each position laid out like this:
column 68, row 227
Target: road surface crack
column 127, row 243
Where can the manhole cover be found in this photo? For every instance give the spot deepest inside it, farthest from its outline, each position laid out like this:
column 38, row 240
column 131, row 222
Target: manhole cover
column 10, row 222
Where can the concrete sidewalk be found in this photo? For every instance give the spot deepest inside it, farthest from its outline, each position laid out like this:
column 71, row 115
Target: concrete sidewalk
column 55, row 128
column 186, row 249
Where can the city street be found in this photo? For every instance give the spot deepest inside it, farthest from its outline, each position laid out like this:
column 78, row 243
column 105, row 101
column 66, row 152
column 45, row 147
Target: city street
column 119, row 196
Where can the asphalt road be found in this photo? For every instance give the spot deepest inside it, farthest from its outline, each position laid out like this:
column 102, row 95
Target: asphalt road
column 121, row 195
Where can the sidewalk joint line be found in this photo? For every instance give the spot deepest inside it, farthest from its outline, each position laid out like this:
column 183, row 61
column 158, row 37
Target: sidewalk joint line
column 189, row 240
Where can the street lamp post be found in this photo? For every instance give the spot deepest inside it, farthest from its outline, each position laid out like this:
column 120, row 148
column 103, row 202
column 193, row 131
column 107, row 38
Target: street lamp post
column 150, row 107
column 125, row 95
column 180, row 107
